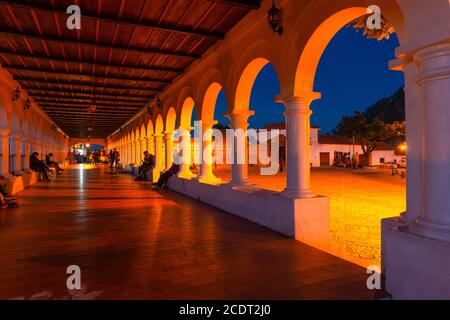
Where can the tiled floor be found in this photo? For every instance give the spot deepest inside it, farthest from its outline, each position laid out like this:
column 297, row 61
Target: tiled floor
column 359, row 200
column 132, row 243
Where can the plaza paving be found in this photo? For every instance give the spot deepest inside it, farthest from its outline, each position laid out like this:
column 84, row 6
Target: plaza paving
column 359, row 199
column 133, row 243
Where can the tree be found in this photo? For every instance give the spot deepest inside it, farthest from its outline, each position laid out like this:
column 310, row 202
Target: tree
column 369, row 134
column 384, row 33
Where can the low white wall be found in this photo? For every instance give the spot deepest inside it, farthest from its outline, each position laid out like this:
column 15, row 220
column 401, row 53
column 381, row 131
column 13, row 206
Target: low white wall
column 415, row 267
column 263, row 207
column 306, row 220
column 17, row 184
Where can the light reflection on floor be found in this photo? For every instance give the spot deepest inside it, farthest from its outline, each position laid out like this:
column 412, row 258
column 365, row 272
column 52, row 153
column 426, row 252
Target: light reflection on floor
column 359, row 199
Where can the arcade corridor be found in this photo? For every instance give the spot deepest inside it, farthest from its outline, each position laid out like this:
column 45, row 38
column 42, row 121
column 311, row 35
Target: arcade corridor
column 134, row 243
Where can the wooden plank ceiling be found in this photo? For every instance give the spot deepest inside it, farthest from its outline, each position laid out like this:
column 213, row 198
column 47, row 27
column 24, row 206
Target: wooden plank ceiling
column 126, row 52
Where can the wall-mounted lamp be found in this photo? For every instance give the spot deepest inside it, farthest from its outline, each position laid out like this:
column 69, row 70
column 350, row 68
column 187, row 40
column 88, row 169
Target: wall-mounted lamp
column 149, row 110
column 159, row 103
column 16, row 95
column 27, row 104
column 274, row 15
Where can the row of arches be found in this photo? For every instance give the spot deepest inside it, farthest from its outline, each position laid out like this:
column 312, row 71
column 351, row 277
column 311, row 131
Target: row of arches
column 23, row 132
column 295, row 62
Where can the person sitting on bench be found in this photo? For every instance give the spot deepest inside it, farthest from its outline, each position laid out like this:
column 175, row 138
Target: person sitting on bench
column 52, row 164
column 165, row 176
column 38, row 166
column 147, row 164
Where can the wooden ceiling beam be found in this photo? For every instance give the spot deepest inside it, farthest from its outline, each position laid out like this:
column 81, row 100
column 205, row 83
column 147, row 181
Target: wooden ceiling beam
column 82, row 84
column 88, row 101
column 120, row 20
column 39, row 37
column 251, row 4
column 90, row 63
column 88, row 96
column 35, row 92
column 85, row 75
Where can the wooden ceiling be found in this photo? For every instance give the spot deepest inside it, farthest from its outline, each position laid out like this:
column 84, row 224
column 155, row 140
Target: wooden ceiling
column 126, row 52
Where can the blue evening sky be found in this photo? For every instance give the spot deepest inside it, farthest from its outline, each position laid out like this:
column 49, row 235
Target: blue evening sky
column 352, row 74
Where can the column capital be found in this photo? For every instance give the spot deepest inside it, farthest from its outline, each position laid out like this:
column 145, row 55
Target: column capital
column 16, row 135
column 168, row 135
column 239, row 118
column 4, row 132
column 300, row 102
column 207, row 124
column 434, row 62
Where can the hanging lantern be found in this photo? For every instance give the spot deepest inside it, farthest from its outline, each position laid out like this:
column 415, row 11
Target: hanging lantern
column 16, row 95
column 274, row 16
column 27, row 104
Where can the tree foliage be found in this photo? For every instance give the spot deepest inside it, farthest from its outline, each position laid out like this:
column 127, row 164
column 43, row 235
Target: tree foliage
column 369, row 134
column 384, row 33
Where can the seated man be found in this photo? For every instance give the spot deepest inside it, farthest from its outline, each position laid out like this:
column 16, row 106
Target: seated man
column 50, row 163
column 38, row 166
column 165, row 176
column 147, row 164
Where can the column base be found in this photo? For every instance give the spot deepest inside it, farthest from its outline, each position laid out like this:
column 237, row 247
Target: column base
column 415, row 266
column 243, row 185
column 186, row 175
column 209, row 179
column 429, row 229
column 299, row 194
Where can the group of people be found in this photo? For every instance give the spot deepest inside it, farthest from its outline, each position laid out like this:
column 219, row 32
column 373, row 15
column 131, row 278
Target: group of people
column 148, row 164
column 43, row 167
column 114, row 158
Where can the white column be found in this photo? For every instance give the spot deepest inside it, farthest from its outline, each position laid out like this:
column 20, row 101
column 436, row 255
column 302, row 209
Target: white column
column 298, row 132
column 129, row 152
column 26, row 154
column 239, row 169
column 186, row 154
column 434, row 79
column 143, row 146
column 16, row 153
column 4, row 153
column 168, row 140
column 206, row 153
column 33, row 145
column 159, row 156
column 151, row 145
